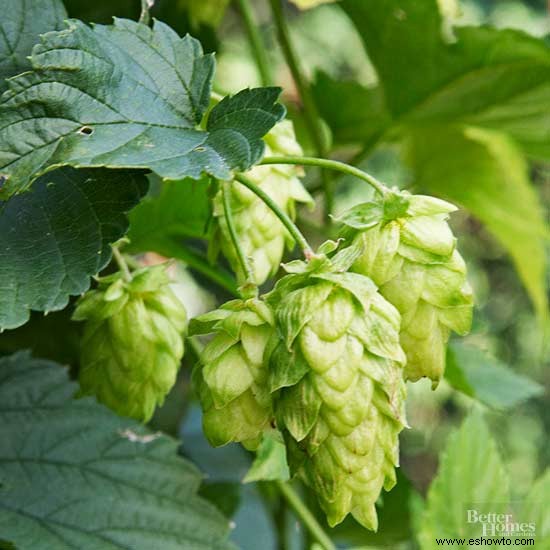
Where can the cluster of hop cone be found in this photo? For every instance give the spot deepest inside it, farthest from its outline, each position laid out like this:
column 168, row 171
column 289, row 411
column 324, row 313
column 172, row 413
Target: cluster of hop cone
column 323, row 357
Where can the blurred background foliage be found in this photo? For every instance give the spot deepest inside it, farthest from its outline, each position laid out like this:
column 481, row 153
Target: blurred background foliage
column 503, row 364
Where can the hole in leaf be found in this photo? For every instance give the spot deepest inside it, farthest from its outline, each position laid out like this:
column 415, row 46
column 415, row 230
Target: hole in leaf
column 3, row 179
column 86, row 131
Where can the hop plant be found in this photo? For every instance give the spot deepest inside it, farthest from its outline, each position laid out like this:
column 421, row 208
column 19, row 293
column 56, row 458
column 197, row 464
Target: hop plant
column 231, row 376
column 336, row 369
column 132, row 344
column 409, row 251
column 261, row 235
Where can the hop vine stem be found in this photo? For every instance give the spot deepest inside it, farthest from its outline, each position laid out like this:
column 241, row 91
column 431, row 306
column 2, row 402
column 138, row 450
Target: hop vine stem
column 241, row 256
column 305, row 515
column 330, row 165
column 274, row 207
column 311, row 113
column 121, row 262
column 144, row 16
column 256, row 42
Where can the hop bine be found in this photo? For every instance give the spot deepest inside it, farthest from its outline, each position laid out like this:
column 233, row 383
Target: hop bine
column 409, row 251
column 133, row 341
column 261, row 235
column 336, row 370
column 231, row 376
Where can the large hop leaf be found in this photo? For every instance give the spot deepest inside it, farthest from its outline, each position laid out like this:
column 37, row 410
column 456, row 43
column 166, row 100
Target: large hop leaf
column 231, row 377
column 133, row 341
column 126, row 96
column 337, row 371
column 409, row 251
column 261, row 234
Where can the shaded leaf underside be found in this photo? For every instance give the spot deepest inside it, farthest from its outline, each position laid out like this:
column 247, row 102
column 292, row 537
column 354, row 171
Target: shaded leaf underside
column 55, row 237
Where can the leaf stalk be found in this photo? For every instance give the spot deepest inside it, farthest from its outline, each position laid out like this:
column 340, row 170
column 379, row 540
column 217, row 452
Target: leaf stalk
column 335, row 165
column 305, row 515
column 283, row 216
column 249, row 286
column 121, row 262
column 311, row 113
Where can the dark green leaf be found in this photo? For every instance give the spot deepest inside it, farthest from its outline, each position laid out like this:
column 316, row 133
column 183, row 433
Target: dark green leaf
column 53, row 239
column 127, row 96
column 486, row 379
column 181, row 209
column 361, row 115
column 54, row 336
column 224, row 495
column 74, row 475
column 20, row 27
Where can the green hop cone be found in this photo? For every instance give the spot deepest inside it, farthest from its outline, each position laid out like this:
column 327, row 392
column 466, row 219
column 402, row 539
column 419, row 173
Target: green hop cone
column 231, row 376
column 409, row 251
column 261, row 234
column 337, row 373
column 132, row 344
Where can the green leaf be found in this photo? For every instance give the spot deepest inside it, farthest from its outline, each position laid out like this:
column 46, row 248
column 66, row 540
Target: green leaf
column 20, row 27
column 180, row 209
column 498, row 79
column 74, row 475
column 470, row 474
column 270, row 462
column 127, row 96
column 486, row 379
column 487, row 174
column 224, row 495
column 53, row 239
column 361, row 115
column 536, row 508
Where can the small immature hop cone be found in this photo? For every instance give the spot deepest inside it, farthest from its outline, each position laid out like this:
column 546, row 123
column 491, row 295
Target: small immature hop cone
column 231, row 376
column 409, row 251
column 338, row 373
column 133, row 341
column 261, row 235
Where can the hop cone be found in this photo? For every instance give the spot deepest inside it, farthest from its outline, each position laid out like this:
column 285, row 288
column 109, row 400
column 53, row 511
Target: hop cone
column 410, row 252
column 338, row 372
column 261, row 234
column 133, row 341
column 231, row 376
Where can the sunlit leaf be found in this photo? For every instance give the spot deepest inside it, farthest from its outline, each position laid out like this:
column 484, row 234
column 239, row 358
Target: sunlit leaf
column 484, row 172
column 486, row 379
column 470, row 474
